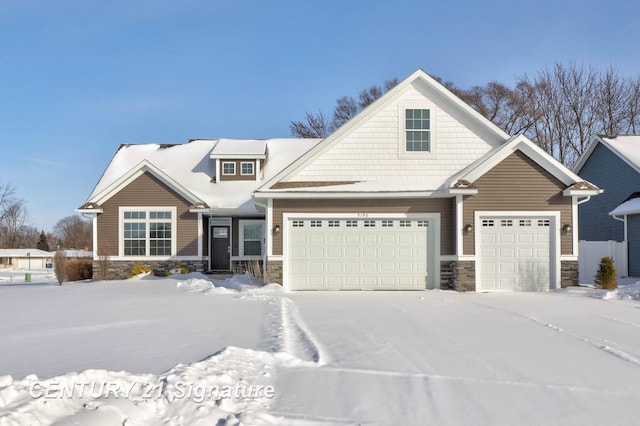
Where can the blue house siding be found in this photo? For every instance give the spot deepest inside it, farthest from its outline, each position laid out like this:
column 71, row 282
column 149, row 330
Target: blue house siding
column 619, row 180
column 633, row 234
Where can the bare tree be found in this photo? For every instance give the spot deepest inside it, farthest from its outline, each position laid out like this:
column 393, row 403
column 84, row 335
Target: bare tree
column 318, row 126
column 346, row 108
column 314, row 126
column 74, row 232
column 13, row 224
column 104, row 259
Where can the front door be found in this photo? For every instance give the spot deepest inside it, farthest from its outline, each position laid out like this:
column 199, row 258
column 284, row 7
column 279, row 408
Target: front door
column 220, row 248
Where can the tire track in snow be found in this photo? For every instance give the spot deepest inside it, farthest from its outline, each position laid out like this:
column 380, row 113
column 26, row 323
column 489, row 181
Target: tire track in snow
column 603, row 347
column 442, row 377
column 297, row 339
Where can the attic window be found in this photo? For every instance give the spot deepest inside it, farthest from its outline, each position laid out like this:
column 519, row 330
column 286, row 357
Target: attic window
column 418, row 130
column 228, row 168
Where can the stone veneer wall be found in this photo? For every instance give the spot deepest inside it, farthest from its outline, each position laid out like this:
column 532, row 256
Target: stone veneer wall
column 120, row 269
column 569, row 274
column 458, row 275
column 274, row 272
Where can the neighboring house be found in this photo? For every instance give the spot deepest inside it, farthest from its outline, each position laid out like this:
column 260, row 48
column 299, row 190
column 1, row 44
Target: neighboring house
column 613, row 164
column 25, row 258
column 77, row 254
column 418, row 191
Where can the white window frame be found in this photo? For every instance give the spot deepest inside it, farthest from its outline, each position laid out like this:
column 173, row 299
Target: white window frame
column 402, row 131
column 148, row 209
column 241, row 225
column 253, row 168
column 233, row 163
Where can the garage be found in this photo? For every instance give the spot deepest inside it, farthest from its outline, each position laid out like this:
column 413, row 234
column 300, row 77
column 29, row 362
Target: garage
column 371, row 253
column 515, row 253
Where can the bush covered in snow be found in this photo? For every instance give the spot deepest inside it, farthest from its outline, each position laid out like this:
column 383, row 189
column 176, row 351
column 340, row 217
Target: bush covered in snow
column 606, row 275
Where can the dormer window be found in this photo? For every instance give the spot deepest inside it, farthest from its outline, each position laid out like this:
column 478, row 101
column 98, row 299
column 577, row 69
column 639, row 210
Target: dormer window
column 417, row 130
column 229, row 168
column 246, row 168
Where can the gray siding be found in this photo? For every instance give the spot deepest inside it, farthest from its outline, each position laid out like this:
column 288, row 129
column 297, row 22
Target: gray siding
column 633, row 234
column 606, row 170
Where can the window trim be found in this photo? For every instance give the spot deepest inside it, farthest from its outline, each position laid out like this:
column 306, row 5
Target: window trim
column 233, row 163
column 253, row 168
column 148, row 209
column 241, row 225
column 402, row 131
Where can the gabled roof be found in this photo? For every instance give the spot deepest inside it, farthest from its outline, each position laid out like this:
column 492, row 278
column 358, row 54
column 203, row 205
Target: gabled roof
column 521, row 143
column 628, row 207
column 627, row 147
column 189, row 171
column 418, row 77
column 23, row 253
column 240, row 149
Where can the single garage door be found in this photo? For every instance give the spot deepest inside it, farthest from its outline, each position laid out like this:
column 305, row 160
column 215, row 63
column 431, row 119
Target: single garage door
column 514, row 253
column 357, row 254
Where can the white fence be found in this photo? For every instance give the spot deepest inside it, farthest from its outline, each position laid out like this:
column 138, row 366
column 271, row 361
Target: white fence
column 592, row 251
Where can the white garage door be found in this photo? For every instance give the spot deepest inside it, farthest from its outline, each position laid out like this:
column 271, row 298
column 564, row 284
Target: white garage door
column 357, row 254
column 514, row 253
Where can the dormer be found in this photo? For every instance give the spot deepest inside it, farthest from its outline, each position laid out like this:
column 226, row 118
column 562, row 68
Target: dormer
column 239, row 160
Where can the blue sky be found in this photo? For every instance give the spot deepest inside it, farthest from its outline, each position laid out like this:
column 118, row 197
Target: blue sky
column 78, row 78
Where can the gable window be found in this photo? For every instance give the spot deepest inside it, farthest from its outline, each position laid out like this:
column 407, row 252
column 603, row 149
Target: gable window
column 246, row 168
column 228, row 168
column 148, row 231
column 251, row 237
column 418, row 130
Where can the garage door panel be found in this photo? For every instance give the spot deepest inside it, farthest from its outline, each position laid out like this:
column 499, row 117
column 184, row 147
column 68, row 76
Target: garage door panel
column 351, row 238
column 507, row 239
column 348, row 254
column 514, row 254
column 334, row 238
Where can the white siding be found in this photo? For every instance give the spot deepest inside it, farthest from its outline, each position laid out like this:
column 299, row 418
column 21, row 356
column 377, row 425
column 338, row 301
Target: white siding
column 373, row 151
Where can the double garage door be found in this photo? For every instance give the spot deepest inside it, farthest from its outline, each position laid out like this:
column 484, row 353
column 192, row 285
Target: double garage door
column 515, row 253
column 357, row 253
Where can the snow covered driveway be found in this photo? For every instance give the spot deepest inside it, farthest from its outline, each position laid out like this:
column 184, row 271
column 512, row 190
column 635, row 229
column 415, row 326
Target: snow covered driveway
column 331, row 358
column 450, row 358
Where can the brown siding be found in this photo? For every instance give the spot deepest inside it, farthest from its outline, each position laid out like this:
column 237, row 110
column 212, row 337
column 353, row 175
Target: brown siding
column 147, row 190
column 518, row 184
column 444, row 206
column 238, row 175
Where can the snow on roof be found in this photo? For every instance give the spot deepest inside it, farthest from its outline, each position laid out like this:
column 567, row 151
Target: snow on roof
column 23, row 253
column 236, row 148
column 628, row 207
column 192, row 167
column 627, row 146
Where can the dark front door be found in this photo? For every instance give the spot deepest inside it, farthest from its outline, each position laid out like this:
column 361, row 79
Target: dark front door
column 220, row 248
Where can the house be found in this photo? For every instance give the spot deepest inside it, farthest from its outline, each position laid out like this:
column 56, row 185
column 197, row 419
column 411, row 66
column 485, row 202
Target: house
column 613, row 164
column 417, row 191
column 187, row 204
column 25, row 258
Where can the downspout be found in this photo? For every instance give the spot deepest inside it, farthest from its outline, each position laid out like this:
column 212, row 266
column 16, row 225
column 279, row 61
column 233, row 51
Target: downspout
column 584, row 201
column 623, row 220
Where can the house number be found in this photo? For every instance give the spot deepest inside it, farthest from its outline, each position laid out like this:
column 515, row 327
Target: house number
column 363, row 214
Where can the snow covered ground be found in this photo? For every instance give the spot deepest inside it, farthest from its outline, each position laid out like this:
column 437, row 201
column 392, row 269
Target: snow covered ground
column 186, row 350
